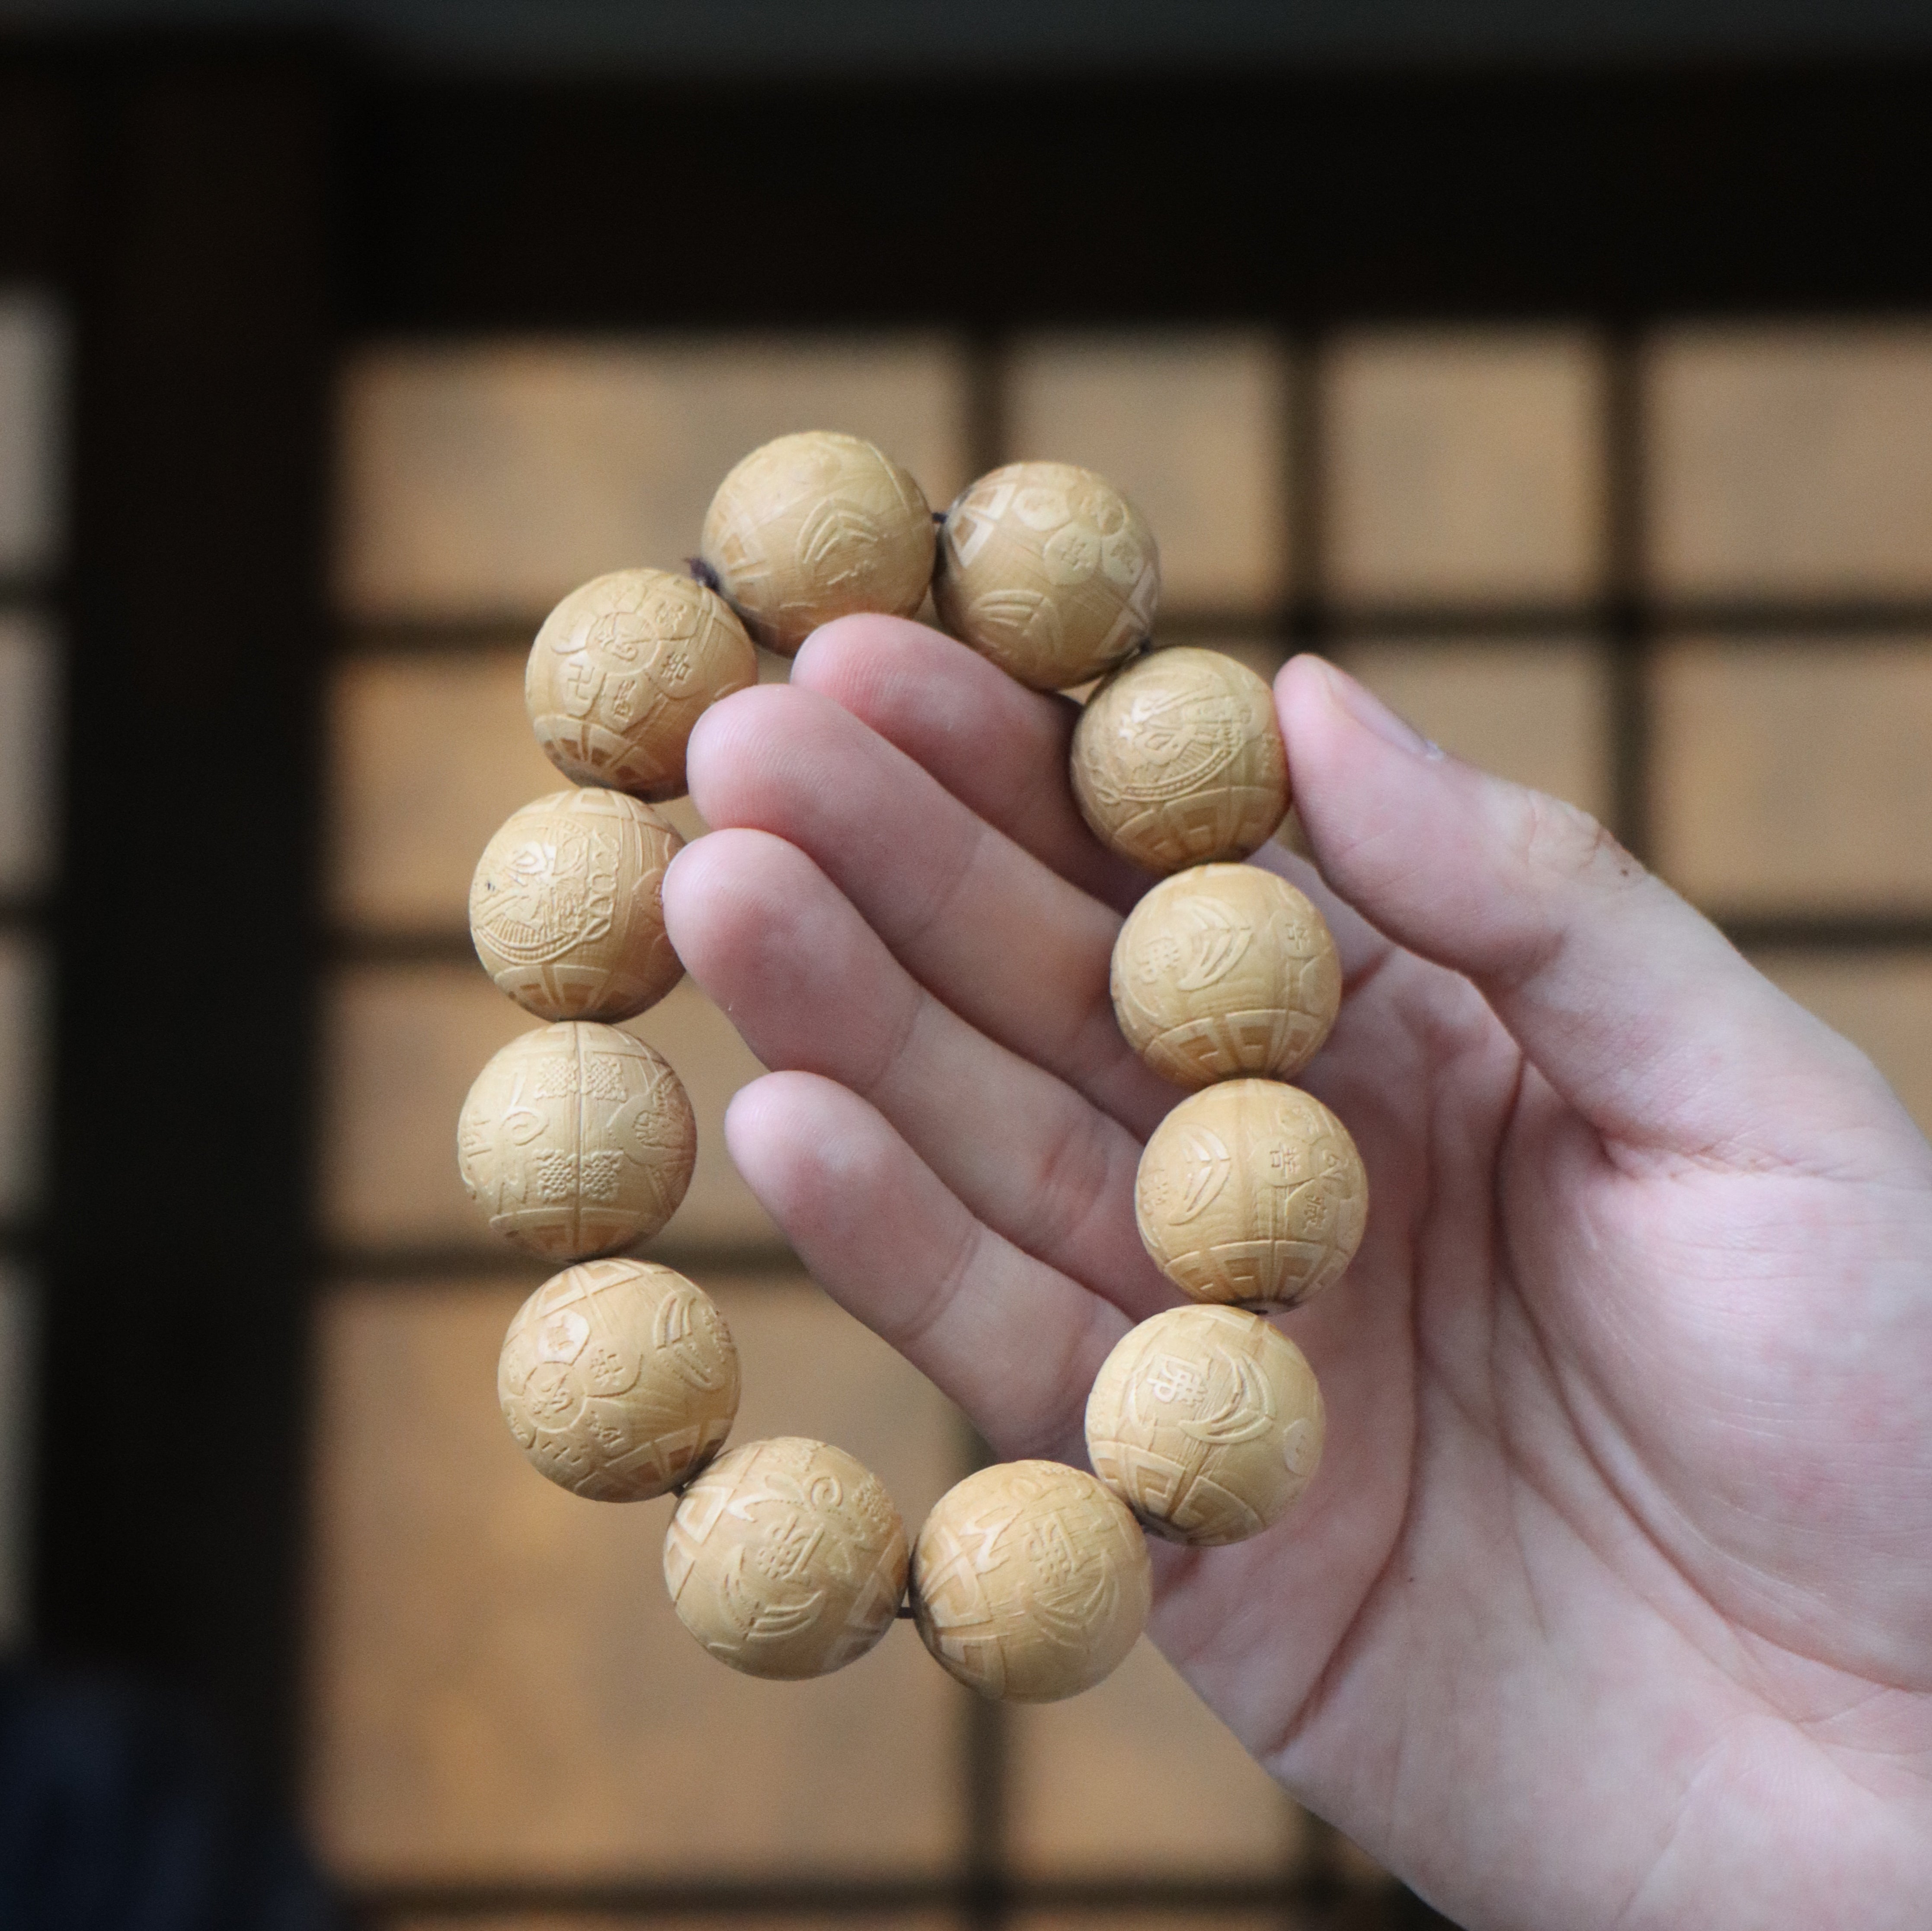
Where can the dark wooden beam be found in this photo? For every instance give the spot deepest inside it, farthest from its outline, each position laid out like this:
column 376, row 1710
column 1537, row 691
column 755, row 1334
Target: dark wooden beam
column 1302, row 197
column 172, row 1380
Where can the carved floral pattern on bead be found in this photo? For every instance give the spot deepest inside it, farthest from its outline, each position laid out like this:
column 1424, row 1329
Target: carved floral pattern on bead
column 1251, row 1192
column 618, row 1380
column 566, row 908
column 1030, row 1582
column 1178, row 760
column 576, row 1140
column 1049, row 571
column 623, row 668
column 1225, row 970
column 1207, row 1422
column 786, row 1558
column 814, row 526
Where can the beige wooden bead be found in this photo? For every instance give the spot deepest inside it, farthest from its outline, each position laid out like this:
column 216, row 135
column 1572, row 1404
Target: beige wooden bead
column 1178, row 760
column 1225, row 971
column 814, row 527
column 618, row 1380
column 1252, row 1193
column 1049, row 571
column 1030, row 1582
column 1207, row 1422
column 623, row 668
column 577, row 1139
column 786, row 1558
column 566, row 907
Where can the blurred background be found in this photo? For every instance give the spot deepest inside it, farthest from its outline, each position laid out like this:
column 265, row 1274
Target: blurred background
column 1567, row 373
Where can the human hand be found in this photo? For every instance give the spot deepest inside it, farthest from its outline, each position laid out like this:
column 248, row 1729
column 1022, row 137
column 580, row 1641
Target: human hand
column 1612, row 1602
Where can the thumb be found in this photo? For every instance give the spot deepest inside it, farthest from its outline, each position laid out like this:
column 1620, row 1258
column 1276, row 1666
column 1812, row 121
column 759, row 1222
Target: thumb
column 1634, row 1006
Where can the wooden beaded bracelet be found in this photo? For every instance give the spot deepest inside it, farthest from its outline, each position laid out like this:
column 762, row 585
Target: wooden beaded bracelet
column 786, row 1558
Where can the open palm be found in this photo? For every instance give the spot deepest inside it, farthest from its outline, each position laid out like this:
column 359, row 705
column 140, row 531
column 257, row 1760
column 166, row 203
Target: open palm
column 1612, row 1603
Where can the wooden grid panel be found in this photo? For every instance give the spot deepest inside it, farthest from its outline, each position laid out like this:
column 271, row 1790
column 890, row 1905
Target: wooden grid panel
column 1450, row 471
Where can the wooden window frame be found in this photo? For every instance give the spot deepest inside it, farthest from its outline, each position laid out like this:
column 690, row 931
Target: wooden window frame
column 223, row 219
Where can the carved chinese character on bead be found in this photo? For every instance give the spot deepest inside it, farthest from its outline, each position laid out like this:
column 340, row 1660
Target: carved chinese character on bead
column 1207, row 1422
column 786, row 1558
column 1049, row 571
column 566, row 907
column 814, row 527
column 1178, row 760
column 618, row 1380
column 577, row 1139
column 1225, row 971
column 1030, row 1582
column 623, row 668
column 1252, row 1193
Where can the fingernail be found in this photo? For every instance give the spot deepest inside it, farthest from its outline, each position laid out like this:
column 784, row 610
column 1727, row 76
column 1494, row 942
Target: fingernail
column 1372, row 714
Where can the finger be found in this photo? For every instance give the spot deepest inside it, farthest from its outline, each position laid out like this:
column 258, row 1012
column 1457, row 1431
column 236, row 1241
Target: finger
column 1001, row 749
column 1636, row 1009
column 993, row 933
column 811, row 988
column 1015, row 1344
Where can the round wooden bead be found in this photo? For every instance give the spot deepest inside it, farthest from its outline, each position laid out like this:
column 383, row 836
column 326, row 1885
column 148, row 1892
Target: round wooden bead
column 623, row 668
column 618, row 1380
column 1178, row 760
column 1252, row 1193
column 576, row 1140
column 1225, row 971
column 1207, row 1422
column 1049, row 571
column 1030, row 1582
column 786, row 1558
column 814, row 527
column 566, row 907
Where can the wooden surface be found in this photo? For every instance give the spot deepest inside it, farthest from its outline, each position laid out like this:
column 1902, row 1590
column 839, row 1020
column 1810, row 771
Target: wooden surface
column 1048, row 570
column 1251, row 1193
column 1791, row 774
column 576, row 1140
column 618, row 1380
column 1207, row 1423
column 566, row 907
column 1178, row 760
column 623, row 668
column 1223, row 971
column 1030, row 1582
column 1465, row 466
column 814, row 526
column 1790, row 460
column 786, row 1558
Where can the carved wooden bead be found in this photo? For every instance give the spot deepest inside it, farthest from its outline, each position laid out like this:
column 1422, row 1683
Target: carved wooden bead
column 1207, row 1422
column 1030, row 1582
column 623, row 668
column 814, row 527
column 1224, row 970
column 618, row 1380
column 1178, row 760
column 786, row 1558
column 1251, row 1192
column 1049, row 571
column 566, row 907
column 576, row 1140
